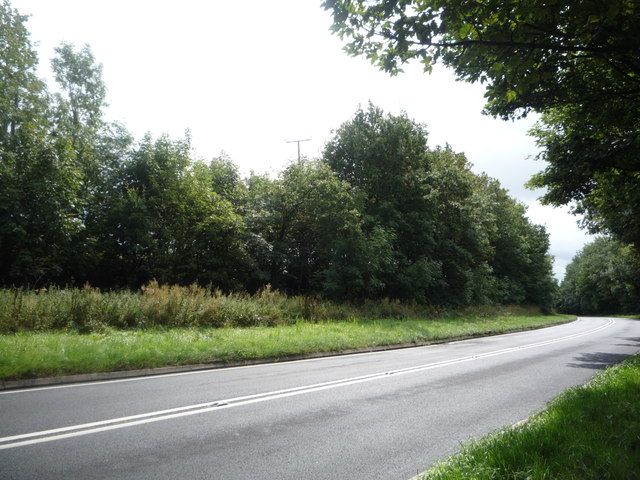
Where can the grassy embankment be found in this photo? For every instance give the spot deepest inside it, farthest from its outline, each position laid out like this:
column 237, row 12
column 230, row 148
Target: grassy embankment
column 84, row 330
column 589, row 432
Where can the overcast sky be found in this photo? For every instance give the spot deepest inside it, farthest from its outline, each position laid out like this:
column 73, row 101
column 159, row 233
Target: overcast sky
column 247, row 76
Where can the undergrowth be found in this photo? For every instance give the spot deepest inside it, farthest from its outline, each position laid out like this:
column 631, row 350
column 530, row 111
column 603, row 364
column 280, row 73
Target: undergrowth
column 91, row 310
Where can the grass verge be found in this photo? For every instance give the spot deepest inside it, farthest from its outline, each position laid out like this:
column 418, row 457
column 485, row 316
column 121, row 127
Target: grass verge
column 588, row 432
column 38, row 354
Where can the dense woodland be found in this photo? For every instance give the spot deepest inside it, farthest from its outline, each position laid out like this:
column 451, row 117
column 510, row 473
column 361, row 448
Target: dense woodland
column 380, row 215
column 602, row 279
column 576, row 64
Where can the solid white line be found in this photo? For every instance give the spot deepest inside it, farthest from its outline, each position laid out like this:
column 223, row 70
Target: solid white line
column 160, row 415
column 257, row 365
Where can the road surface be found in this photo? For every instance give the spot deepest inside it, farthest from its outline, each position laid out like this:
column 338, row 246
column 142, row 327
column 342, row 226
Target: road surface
column 383, row 415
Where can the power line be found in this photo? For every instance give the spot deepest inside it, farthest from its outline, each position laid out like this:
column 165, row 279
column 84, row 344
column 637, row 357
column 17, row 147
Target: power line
column 298, row 142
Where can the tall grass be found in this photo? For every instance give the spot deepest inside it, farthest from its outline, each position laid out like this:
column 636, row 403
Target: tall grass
column 89, row 309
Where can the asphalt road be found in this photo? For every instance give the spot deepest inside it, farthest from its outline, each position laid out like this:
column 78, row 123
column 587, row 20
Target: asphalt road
column 384, row 415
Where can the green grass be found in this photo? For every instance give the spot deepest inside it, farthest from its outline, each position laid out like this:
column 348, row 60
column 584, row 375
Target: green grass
column 89, row 309
column 37, row 354
column 590, row 432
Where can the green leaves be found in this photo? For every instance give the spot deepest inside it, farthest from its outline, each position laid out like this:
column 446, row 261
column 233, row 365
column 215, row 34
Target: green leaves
column 578, row 58
column 465, row 30
column 452, row 237
column 380, row 215
column 22, row 96
column 592, row 161
column 310, row 229
column 602, row 279
column 83, row 98
column 163, row 220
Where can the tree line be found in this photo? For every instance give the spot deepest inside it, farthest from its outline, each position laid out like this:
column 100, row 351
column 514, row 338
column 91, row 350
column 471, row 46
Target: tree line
column 602, row 279
column 380, row 214
column 577, row 64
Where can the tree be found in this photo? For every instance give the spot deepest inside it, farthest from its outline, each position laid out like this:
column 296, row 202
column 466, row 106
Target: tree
column 162, row 220
column 533, row 55
column 594, row 166
column 83, row 93
column 78, row 131
column 448, row 237
column 38, row 179
column 385, row 160
column 602, row 279
column 381, row 215
column 22, row 98
column 307, row 231
column 519, row 250
column 226, row 180
column 461, row 236
column 576, row 62
column 38, row 212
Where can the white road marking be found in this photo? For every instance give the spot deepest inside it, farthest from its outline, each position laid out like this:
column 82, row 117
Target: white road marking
column 257, row 365
column 160, row 415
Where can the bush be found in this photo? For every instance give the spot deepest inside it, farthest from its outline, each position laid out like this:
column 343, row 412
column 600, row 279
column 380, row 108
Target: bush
column 89, row 309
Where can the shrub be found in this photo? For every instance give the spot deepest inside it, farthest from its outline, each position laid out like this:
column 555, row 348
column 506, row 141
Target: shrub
column 89, row 309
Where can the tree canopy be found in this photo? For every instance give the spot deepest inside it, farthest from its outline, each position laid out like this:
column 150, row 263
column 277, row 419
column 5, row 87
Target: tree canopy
column 533, row 55
column 445, row 229
column 602, row 279
column 576, row 62
column 379, row 215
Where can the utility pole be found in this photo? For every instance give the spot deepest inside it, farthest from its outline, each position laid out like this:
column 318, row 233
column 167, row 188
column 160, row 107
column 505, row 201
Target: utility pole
column 298, row 142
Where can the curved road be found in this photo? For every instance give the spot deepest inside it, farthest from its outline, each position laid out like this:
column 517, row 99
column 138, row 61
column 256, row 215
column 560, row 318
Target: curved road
column 383, row 415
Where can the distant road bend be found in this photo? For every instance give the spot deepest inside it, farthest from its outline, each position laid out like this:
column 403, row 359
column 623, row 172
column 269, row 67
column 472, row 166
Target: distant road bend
column 383, row 415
